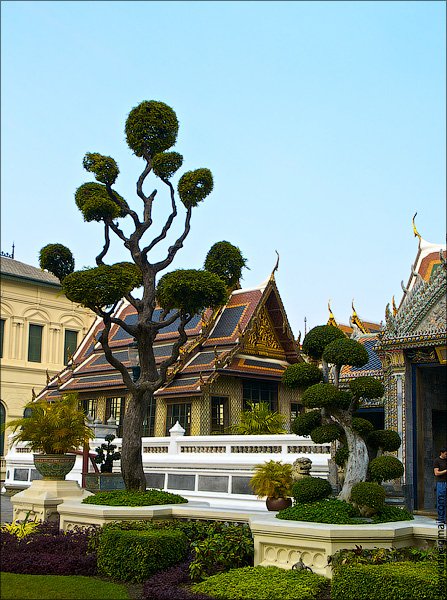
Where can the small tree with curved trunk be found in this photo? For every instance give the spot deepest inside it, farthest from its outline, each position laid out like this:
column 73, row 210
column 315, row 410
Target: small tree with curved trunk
column 151, row 129
column 332, row 417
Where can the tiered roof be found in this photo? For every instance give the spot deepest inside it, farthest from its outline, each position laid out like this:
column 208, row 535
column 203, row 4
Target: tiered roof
column 249, row 337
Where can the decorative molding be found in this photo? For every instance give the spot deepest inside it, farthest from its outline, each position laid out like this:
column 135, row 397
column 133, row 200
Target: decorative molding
column 262, row 340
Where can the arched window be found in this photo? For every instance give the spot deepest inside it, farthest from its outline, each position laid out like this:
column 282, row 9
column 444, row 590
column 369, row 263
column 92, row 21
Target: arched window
column 2, row 433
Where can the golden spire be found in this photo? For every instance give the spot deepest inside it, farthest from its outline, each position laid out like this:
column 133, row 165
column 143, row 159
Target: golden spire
column 415, row 231
column 272, row 276
column 331, row 320
column 355, row 320
column 394, row 306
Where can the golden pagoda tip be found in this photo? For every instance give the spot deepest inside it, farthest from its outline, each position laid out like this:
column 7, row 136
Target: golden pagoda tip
column 415, row 231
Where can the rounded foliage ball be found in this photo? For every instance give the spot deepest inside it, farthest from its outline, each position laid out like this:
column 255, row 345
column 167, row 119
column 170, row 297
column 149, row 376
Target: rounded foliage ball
column 311, row 489
column 191, row 291
column 301, row 375
column 195, row 186
column 367, row 387
column 94, row 202
column 318, row 338
column 304, row 423
column 369, row 495
column 324, row 394
column 151, row 128
column 104, row 167
column 226, row 261
column 341, row 456
column 385, row 468
column 132, row 271
column 326, row 433
column 57, row 259
column 345, row 351
column 99, row 287
column 165, row 164
column 387, row 439
column 362, row 426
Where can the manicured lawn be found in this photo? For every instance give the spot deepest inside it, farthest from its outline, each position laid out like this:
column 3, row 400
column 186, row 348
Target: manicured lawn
column 58, row 587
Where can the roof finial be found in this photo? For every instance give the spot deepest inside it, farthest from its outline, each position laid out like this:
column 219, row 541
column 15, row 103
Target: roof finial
column 272, row 276
column 331, row 320
column 415, row 231
column 394, row 306
column 355, row 320
column 354, row 314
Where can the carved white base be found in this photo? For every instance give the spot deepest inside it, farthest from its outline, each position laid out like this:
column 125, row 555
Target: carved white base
column 43, row 497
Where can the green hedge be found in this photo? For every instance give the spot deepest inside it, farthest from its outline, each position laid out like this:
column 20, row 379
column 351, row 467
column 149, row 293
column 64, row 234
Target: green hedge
column 389, row 581
column 136, row 555
column 262, row 583
column 309, row 489
column 125, row 498
column 330, row 510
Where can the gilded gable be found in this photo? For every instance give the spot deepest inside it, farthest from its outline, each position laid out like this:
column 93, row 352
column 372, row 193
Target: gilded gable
column 262, row 339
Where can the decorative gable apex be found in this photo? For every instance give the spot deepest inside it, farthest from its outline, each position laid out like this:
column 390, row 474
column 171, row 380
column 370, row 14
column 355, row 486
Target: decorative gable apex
column 261, row 340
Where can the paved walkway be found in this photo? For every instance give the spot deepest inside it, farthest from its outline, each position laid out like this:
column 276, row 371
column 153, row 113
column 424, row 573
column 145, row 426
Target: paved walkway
column 6, row 509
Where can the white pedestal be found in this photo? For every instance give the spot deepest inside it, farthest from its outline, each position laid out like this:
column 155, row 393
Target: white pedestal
column 42, row 498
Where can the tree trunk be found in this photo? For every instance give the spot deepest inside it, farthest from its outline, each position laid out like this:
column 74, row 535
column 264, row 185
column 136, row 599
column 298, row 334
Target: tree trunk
column 357, row 465
column 131, row 456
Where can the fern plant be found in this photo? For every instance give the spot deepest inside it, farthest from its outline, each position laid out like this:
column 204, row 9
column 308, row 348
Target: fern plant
column 272, row 479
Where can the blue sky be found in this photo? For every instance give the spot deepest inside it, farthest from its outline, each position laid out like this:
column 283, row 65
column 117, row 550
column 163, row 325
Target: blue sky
column 323, row 124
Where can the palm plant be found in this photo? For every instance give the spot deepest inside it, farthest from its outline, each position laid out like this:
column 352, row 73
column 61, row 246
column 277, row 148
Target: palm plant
column 53, row 428
column 272, row 479
column 259, row 420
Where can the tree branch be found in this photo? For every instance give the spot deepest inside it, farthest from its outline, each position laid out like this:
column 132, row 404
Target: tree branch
column 168, row 223
column 163, row 367
column 126, row 208
column 104, row 341
column 99, row 258
column 172, row 251
column 167, row 322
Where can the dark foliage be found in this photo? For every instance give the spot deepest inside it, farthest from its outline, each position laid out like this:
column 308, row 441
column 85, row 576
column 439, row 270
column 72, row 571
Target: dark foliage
column 366, row 387
column 387, row 439
column 105, row 454
column 48, row 551
column 326, row 433
column 323, row 395
column 368, row 494
column 310, row 489
column 104, row 167
column 94, row 202
column 151, row 128
column 378, row 556
column 166, row 164
column 195, row 186
column 318, row 338
column 345, row 351
column 171, row 584
column 341, row 456
column 191, row 290
column 134, row 498
column 57, row 259
column 385, row 468
column 301, row 375
column 226, row 261
column 362, row 426
column 306, row 421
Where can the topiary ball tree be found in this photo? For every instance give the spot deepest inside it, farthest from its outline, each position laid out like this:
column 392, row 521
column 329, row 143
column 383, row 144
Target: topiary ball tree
column 332, row 409
column 385, row 468
column 57, row 259
column 226, row 261
column 151, row 130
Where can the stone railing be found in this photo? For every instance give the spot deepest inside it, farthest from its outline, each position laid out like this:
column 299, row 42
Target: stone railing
column 215, row 468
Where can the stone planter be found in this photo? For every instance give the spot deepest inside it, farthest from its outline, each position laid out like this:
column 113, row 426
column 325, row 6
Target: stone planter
column 54, row 467
column 99, row 482
column 278, row 503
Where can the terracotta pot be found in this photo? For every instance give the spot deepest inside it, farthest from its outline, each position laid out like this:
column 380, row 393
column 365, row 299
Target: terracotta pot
column 278, row 503
column 54, row 466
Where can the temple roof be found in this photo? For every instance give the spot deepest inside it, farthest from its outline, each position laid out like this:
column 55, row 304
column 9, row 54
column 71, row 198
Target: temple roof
column 373, row 368
column 250, row 337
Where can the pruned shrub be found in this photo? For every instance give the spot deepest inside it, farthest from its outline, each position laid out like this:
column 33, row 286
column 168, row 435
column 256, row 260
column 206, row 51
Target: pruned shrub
column 135, row 555
column 367, row 387
column 326, row 395
column 306, row 421
column 263, row 583
column 362, row 426
column 301, row 375
column 412, row 581
column 310, row 489
column 368, row 496
column 326, row 433
column 134, row 498
column 341, row 456
column 318, row 338
column 387, row 439
column 385, row 468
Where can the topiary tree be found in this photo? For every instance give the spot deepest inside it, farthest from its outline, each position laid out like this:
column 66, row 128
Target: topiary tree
column 227, row 261
column 57, row 259
column 333, row 409
column 151, row 130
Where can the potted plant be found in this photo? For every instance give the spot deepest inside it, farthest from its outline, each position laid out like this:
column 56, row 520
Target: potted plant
column 105, row 480
column 53, row 430
column 274, row 480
